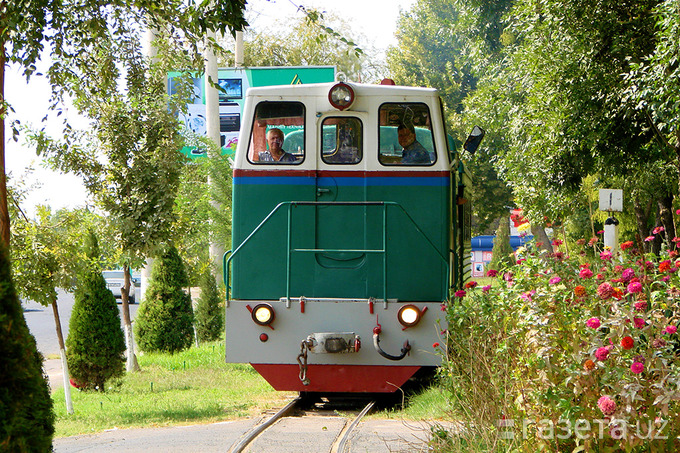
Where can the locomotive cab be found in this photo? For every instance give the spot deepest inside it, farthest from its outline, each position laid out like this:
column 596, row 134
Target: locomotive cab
column 350, row 228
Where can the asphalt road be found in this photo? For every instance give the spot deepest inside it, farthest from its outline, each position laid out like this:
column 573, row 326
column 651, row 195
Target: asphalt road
column 40, row 320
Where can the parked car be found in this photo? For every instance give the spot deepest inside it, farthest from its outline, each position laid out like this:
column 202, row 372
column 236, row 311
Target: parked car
column 115, row 280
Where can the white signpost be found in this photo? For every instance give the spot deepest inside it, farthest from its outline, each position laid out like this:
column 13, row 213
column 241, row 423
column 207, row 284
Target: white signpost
column 611, row 200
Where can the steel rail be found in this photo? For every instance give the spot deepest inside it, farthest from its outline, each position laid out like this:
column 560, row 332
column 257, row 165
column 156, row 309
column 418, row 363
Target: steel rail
column 340, row 444
column 256, row 431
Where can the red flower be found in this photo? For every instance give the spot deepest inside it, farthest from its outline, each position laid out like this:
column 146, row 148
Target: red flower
column 435, row 345
column 580, row 291
column 626, row 245
column 471, row 284
column 627, row 342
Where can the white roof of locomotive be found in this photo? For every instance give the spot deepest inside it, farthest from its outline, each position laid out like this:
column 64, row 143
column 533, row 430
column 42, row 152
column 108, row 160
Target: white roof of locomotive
column 322, row 89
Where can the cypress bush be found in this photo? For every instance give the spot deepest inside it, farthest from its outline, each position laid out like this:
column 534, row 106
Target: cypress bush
column 502, row 251
column 26, row 416
column 164, row 320
column 95, row 346
column 209, row 310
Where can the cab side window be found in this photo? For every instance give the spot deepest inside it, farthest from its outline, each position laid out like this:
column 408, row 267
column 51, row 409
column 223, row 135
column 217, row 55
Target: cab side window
column 405, row 136
column 278, row 134
column 341, row 141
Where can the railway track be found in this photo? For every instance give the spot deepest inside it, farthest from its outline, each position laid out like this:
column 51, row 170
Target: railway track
column 334, row 429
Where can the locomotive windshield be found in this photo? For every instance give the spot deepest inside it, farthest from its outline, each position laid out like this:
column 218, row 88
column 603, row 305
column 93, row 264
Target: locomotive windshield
column 277, row 135
column 406, row 134
column 341, row 140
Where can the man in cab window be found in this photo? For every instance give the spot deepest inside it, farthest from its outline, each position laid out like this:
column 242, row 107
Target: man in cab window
column 276, row 152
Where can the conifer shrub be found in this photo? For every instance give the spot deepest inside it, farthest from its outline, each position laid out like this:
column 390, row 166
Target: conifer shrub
column 209, row 310
column 95, row 345
column 502, row 251
column 164, row 321
column 26, row 416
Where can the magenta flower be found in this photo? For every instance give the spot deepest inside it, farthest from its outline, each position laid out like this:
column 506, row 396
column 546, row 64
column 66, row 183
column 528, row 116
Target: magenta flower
column 640, row 305
column 600, row 232
column 635, row 287
column 555, row 280
column 606, row 255
column 491, row 273
column 670, row 330
column 637, row 367
column 585, row 273
column 460, row 293
column 627, row 274
column 606, row 405
column 658, row 230
column 649, row 238
column 593, row 323
column 601, row 354
column 486, row 289
column 639, row 322
column 605, row 290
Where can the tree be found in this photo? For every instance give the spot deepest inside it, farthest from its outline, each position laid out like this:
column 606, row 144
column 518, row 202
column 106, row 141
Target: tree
column 565, row 113
column 209, row 310
column 26, row 416
column 501, row 253
column 76, row 32
column 95, row 343
column 46, row 257
column 165, row 319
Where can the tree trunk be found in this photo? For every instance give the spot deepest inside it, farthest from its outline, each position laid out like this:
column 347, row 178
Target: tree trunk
column 665, row 205
column 641, row 218
column 541, row 237
column 62, row 353
column 131, row 359
column 4, row 211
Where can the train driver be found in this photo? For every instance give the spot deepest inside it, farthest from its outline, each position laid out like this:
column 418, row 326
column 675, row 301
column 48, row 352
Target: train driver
column 276, row 152
column 413, row 152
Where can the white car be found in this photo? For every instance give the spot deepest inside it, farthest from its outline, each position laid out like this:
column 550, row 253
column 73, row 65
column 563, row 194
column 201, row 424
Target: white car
column 115, row 279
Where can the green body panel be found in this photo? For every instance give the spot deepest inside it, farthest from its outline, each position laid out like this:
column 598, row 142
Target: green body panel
column 412, row 265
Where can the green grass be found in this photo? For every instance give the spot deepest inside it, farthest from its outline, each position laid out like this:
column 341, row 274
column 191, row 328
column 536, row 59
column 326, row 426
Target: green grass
column 194, row 386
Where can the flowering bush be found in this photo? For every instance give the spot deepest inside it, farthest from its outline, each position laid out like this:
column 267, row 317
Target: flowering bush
column 588, row 347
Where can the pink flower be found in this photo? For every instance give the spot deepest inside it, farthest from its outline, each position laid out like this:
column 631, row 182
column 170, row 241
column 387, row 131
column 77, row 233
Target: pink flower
column 593, row 323
column 460, row 293
column 555, row 280
column 491, row 273
column 601, row 354
column 637, row 367
column 670, row 330
column 605, row 290
column 649, row 238
column 606, row 255
column 627, row 274
column 635, row 287
column 677, row 212
column 527, row 295
column 486, row 289
column 658, row 230
column 585, row 273
column 443, row 307
column 606, row 405
column 639, row 322
column 600, row 232
column 640, row 305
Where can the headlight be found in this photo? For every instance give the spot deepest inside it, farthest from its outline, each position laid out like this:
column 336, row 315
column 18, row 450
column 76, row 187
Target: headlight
column 409, row 315
column 263, row 314
column 341, row 96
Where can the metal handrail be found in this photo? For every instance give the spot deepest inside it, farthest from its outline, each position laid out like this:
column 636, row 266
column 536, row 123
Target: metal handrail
column 227, row 261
